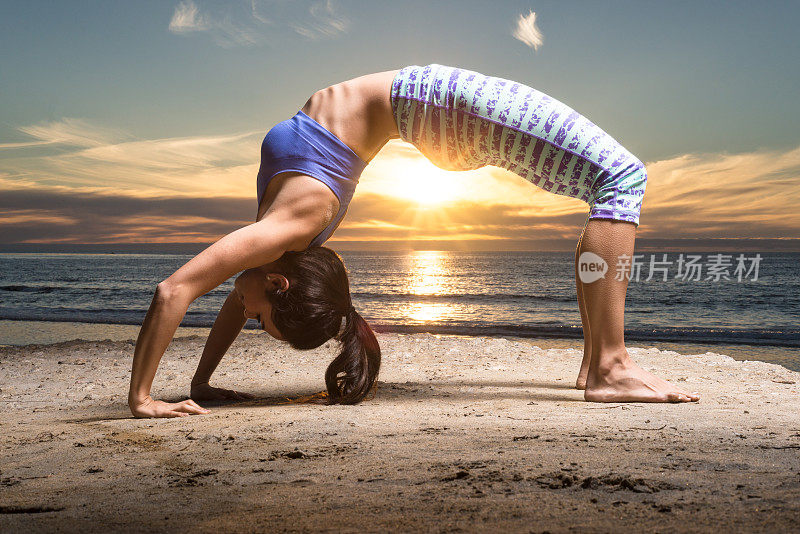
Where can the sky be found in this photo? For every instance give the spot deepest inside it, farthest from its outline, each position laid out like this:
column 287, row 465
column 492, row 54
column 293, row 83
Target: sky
column 141, row 122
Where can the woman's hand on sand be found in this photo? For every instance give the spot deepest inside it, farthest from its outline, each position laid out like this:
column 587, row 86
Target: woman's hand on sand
column 205, row 392
column 154, row 408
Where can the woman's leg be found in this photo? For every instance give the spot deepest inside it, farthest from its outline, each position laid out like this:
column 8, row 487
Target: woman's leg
column 587, row 336
column 612, row 375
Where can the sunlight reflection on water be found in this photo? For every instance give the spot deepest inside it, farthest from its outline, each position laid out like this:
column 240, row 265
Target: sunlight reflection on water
column 427, row 272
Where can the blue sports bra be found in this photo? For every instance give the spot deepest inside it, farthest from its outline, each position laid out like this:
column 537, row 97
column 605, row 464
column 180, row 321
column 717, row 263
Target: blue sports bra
column 303, row 145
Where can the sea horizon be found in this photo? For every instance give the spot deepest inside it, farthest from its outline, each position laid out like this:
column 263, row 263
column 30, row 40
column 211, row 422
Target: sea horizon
column 516, row 294
column 643, row 244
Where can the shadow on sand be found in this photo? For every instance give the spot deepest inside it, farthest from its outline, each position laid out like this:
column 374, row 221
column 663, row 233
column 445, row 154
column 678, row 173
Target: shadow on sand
column 394, row 391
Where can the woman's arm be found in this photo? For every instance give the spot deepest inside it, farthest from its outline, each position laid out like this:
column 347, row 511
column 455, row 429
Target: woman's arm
column 254, row 245
column 229, row 323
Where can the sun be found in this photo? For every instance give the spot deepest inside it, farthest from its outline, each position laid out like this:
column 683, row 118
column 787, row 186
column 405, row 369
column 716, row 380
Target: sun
column 429, row 189
column 425, row 184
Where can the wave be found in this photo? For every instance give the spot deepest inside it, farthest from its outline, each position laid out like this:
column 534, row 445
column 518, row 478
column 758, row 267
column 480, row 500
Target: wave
column 777, row 337
column 28, row 289
column 714, row 336
column 462, row 297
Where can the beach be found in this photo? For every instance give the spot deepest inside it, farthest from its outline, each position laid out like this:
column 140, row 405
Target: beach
column 463, row 434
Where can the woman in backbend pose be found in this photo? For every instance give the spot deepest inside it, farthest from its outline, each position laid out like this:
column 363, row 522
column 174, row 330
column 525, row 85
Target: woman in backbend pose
column 310, row 165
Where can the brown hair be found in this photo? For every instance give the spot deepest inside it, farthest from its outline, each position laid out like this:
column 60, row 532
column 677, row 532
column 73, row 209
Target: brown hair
column 310, row 312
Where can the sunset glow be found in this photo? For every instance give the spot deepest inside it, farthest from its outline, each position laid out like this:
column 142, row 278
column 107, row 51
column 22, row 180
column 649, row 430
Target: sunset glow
column 100, row 147
column 422, row 182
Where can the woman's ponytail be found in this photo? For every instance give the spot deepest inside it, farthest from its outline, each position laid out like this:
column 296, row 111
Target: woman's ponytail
column 352, row 375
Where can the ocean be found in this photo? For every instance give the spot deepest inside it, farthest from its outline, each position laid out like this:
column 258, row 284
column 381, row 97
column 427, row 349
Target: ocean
column 52, row 297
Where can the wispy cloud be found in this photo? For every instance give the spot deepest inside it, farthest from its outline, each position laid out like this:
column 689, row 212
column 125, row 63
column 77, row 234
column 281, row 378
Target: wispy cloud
column 259, row 12
column 87, row 156
column 265, row 20
column 72, row 132
column 751, row 194
column 323, row 21
column 187, row 18
column 225, row 31
column 527, row 31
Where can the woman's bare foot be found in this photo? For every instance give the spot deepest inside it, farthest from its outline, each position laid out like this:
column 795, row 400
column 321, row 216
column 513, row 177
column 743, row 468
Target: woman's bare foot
column 624, row 381
column 583, row 374
column 580, row 383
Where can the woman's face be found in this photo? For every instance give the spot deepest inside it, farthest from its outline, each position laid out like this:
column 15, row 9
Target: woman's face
column 251, row 287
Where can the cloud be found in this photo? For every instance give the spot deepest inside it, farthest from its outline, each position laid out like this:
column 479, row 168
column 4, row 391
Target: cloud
column 86, row 156
column 256, row 7
column 374, row 216
column 53, row 215
column 323, row 22
column 187, row 18
column 265, row 21
column 65, row 216
column 401, row 171
column 746, row 195
column 73, row 132
column 751, row 194
column 78, row 182
column 224, row 30
column 527, row 31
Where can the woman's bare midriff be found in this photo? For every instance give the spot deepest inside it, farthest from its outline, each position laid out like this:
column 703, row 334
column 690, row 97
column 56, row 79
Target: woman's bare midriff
column 358, row 112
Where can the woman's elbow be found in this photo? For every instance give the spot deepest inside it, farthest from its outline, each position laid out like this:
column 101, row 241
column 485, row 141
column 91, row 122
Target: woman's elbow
column 170, row 292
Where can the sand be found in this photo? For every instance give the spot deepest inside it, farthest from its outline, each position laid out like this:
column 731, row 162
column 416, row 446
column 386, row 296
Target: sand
column 464, row 434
